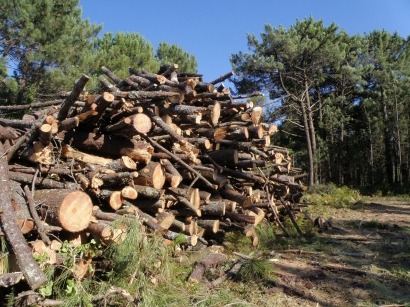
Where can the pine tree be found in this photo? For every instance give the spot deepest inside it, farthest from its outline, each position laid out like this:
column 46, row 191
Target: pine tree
column 40, row 37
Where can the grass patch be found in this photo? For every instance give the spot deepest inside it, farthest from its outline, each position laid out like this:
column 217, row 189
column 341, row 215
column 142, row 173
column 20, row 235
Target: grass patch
column 332, row 195
column 256, row 270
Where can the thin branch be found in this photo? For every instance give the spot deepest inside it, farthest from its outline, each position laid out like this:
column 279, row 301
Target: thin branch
column 32, row 207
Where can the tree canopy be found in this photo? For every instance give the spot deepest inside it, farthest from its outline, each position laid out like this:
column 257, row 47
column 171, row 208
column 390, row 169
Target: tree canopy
column 339, row 99
column 37, row 37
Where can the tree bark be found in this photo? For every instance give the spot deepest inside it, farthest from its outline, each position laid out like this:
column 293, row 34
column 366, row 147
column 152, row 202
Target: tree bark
column 69, row 209
column 28, row 266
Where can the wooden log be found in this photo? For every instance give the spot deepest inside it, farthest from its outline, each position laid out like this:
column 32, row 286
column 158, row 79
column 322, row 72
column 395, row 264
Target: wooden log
column 103, row 102
column 239, row 217
column 209, row 261
column 133, row 125
column 222, row 78
column 129, row 192
column 68, row 209
column 235, row 196
column 111, row 75
column 157, row 120
column 165, row 219
column 68, row 152
column 105, row 233
column 109, row 145
column 256, row 115
column 69, row 123
column 44, row 183
column 124, row 163
column 111, row 198
column 189, row 239
column 150, row 204
column 69, row 101
column 116, row 179
column 214, row 208
column 224, row 157
column 258, row 213
column 172, row 176
column 26, row 263
column 212, row 225
column 151, row 175
column 24, row 218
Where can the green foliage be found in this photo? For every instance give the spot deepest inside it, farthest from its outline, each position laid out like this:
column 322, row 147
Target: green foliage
column 256, row 270
column 40, row 36
column 137, row 260
column 173, row 54
column 341, row 101
column 121, row 51
column 331, row 195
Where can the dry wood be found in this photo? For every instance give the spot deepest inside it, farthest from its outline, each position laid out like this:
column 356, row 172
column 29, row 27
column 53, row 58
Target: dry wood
column 41, row 182
column 214, row 208
column 151, row 175
column 28, row 266
column 129, row 192
column 32, row 206
column 68, row 209
column 74, row 95
column 105, row 233
column 210, row 260
column 165, row 219
column 109, row 145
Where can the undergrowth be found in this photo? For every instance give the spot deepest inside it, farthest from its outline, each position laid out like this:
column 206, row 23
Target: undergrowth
column 332, row 195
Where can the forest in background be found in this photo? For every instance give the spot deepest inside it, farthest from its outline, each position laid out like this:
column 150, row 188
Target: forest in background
column 341, row 101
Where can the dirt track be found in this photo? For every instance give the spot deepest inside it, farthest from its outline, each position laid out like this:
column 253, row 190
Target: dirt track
column 363, row 260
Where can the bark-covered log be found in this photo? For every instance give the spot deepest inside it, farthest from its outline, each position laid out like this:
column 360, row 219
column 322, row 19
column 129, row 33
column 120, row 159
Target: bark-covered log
column 66, row 208
column 28, row 266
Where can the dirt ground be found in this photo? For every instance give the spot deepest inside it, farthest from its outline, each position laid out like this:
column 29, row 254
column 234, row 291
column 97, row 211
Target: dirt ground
column 362, row 260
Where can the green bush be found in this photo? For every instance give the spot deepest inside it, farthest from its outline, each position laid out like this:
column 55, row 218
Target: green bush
column 330, row 194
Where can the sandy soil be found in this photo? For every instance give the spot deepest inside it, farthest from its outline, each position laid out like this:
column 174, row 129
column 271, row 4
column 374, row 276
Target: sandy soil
column 362, row 260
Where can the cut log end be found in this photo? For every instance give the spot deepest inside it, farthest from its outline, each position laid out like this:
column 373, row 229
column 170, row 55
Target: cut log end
column 75, row 211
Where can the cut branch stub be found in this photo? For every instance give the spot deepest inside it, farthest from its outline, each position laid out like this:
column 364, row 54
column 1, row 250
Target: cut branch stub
column 66, row 208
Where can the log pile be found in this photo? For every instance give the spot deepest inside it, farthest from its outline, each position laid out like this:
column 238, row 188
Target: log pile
column 178, row 153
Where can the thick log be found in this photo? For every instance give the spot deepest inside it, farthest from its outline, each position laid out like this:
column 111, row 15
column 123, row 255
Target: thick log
column 103, row 102
column 151, row 175
column 235, row 196
column 148, row 191
column 239, row 217
column 68, row 152
column 165, row 219
column 26, row 263
column 132, row 125
column 124, row 163
column 112, row 198
column 68, row 209
column 214, row 208
column 212, row 225
column 224, row 157
column 109, row 145
column 129, row 192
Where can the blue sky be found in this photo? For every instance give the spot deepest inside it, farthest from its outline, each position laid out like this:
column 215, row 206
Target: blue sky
column 213, row 30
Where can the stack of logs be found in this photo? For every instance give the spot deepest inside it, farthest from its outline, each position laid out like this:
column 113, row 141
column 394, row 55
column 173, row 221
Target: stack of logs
column 182, row 155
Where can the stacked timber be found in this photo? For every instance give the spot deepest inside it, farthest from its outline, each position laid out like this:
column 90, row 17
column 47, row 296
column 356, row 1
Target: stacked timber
column 178, row 153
